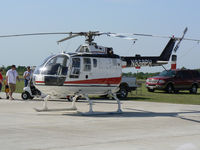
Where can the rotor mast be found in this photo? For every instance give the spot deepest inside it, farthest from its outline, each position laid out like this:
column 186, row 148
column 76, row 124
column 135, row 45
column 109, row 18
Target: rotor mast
column 89, row 37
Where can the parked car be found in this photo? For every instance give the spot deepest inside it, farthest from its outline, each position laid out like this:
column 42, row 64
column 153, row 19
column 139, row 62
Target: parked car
column 174, row 80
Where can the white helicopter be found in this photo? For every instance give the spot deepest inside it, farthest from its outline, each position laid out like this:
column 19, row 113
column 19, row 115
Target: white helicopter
column 91, row 70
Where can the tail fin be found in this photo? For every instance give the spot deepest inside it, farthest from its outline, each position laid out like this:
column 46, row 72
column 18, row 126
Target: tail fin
column 165, row 55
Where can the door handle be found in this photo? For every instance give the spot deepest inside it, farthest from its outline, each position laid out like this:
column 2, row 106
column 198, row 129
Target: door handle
column 86, row 76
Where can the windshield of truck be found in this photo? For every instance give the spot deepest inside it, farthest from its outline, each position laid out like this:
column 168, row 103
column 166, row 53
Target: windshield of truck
column 169, row 73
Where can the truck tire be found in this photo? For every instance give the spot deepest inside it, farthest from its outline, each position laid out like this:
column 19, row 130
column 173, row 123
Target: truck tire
column 151, row 90
column 170, row 88
column 122, row 93
column 193, row 90
column 176, row 91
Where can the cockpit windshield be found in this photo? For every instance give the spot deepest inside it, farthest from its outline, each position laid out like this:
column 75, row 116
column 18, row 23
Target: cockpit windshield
column 167, row 73
column 53, row 65
column 38, row 68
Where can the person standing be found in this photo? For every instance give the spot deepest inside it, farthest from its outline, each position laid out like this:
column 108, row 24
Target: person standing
column 27, row 76
column 1, row 80
column 11, row 77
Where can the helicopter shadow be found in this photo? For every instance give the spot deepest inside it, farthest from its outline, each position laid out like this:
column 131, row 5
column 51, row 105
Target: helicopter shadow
column 82, row 100
column 136, row 98
column 136, row 113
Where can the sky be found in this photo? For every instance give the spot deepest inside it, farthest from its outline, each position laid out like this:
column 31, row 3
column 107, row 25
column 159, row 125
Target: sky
column 155, row 17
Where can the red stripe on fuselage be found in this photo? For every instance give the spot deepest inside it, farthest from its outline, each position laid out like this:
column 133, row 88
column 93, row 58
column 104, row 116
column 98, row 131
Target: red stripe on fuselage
column 39, row 81
column 115, row 80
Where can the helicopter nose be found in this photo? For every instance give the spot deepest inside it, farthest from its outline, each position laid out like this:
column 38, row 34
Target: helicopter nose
column 38, row 79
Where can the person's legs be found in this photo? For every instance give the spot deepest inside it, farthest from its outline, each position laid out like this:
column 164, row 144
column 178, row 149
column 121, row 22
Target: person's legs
column 12, row 89
column 25, row 83
column 7, row 96
column 7, row 91
column 0, row 88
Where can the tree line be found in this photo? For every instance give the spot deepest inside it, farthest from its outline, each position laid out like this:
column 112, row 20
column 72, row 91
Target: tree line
column 20, row 69
column 142, row 75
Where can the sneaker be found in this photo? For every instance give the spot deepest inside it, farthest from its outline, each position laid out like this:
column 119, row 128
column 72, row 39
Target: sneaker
column 12, row 98
column 7, row 97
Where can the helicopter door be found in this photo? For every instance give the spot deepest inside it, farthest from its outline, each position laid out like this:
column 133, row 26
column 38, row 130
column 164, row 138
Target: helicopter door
column 75, row 70
column 56, row 70
column 87, row 67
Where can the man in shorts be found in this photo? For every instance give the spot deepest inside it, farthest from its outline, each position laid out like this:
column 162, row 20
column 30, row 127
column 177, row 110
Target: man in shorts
column 11, row 77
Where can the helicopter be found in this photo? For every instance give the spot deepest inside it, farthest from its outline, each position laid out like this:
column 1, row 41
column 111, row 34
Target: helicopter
column 92, row 69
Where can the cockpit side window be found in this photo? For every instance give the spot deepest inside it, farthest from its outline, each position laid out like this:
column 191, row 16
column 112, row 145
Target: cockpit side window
column 83, row 49
column 75, row 70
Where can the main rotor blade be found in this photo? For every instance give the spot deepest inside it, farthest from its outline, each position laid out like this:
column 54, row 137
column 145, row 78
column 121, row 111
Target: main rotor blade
column 123, row 36
column 32, row 34
column 177, row 38
column 150, row 35
column 197, row 40
column 67, row 38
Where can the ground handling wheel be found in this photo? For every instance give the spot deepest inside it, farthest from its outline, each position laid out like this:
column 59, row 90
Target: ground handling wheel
column 25, row 95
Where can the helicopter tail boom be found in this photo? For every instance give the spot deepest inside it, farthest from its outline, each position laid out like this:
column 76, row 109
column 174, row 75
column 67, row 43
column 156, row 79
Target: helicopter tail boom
column 139, row 61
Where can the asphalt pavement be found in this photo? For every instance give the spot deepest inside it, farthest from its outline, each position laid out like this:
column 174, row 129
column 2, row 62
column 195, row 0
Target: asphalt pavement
column 141, row 126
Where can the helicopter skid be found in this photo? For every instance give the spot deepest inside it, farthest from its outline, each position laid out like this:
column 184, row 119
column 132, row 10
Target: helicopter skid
column 90, row 102
column 46, row 109
column 56, row 109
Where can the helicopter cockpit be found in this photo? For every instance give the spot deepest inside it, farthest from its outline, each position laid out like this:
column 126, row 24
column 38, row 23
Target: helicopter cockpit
column 53, row 70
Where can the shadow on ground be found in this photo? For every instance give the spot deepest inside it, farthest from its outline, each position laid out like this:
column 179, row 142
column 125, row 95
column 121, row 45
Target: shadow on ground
column 140, row 113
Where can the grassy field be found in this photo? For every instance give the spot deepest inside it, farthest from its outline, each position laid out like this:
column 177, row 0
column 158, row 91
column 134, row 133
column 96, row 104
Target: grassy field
column 19, row 87
column 183, row 97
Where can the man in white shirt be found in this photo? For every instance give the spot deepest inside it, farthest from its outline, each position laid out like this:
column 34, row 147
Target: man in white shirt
column 11, row 77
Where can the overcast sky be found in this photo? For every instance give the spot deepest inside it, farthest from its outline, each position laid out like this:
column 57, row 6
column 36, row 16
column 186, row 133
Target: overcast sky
column 157, row 17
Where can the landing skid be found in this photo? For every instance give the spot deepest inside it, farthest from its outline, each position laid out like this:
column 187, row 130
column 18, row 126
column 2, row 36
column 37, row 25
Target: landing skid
column 49, row 110
column 46, row 109
column 90, row 112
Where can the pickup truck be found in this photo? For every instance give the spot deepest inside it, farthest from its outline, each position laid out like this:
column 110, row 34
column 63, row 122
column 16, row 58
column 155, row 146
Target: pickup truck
column 127, row 84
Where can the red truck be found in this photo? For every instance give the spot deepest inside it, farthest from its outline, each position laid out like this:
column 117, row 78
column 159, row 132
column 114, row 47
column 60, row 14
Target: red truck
column 174, row 80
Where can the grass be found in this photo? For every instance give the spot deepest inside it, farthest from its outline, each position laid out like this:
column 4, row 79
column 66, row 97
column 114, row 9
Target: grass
column 183, row 97
column 19, row 86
